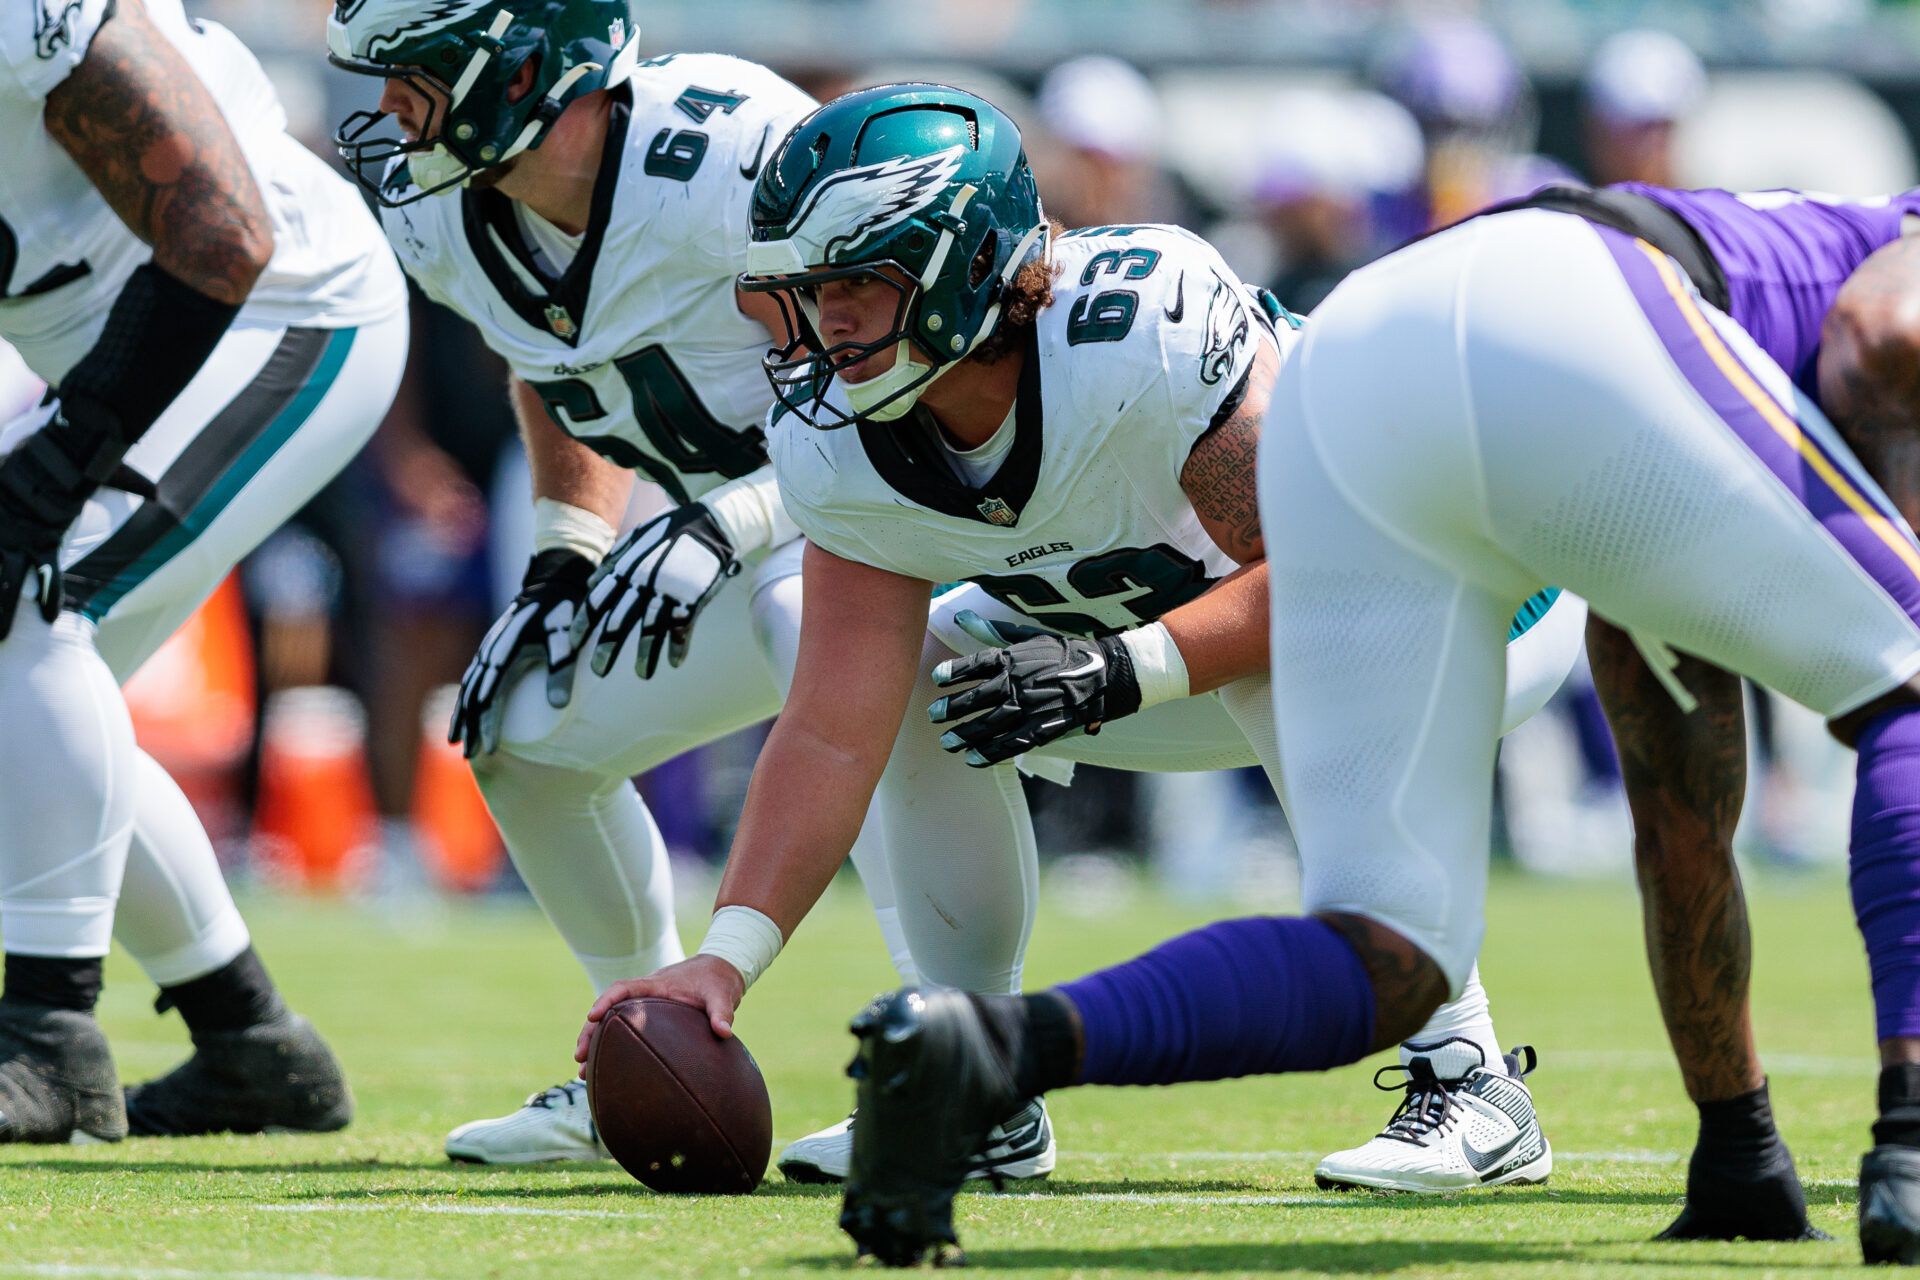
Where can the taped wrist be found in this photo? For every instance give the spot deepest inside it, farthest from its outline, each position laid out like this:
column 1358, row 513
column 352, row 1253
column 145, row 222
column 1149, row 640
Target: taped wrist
column 749, row 511
column 746, row 939
column 560, row 525
column 159, row 332
column 1158, row 668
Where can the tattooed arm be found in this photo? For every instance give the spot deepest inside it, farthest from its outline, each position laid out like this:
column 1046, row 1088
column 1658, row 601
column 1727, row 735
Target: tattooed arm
column 1685, row 777
column 1220, row 478
column 142, row 127
column 1222, row 636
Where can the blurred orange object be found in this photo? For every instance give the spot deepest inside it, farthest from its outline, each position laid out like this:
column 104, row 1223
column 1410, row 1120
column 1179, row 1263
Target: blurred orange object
column 457, row 839
column 193, row 704
column 315, row 825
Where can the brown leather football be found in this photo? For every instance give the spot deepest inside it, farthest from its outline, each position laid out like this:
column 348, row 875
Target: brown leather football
column 680, row 1109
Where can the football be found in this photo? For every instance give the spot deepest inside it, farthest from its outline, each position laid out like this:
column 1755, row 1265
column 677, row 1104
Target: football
column 681, row 1109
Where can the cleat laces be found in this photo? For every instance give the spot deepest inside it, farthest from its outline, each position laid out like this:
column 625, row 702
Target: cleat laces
column 1428, row 1106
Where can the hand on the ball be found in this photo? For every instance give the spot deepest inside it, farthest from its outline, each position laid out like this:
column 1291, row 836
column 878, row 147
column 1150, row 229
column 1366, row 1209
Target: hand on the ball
column 706, row 982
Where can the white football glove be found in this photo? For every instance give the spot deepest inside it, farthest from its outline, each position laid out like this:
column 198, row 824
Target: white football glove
column 656, row 582
column 538, row 623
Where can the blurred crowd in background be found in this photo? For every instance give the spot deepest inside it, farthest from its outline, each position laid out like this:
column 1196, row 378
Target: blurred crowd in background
column 306, row 706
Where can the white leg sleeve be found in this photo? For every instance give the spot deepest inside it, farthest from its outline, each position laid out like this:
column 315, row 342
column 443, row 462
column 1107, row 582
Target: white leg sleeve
column 594, row 860
column 176, row 917
column 559, row 787
column 68, row 756
column 959, row 841
column 776, row 623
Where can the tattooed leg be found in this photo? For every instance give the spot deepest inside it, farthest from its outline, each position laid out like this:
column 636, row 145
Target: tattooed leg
column 1685, row 775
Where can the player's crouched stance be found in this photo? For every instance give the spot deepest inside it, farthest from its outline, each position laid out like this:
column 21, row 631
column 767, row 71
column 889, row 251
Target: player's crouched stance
column 222, row 330
column 1522, row 420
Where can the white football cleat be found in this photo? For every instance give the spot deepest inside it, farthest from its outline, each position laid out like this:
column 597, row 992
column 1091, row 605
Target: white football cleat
column 554, row 1124
column 1461, row 1124
column 1018, row 1147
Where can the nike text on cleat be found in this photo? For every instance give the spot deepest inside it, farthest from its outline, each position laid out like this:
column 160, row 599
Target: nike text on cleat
column 1020, row 1146
column 57, row 1082
column 1460, row 1124
column 933, row 1079
column 553, row 1124
column 1890, row 1205
column 277, row 1075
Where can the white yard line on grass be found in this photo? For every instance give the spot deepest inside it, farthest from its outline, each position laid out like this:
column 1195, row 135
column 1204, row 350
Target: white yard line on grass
column 464, row 1210
column 1153, row 1197
column 1248, row 1157
column 87, row 1271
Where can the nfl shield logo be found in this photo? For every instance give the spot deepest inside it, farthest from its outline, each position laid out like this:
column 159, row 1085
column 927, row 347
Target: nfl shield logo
column 998, row 512
column 561, row 322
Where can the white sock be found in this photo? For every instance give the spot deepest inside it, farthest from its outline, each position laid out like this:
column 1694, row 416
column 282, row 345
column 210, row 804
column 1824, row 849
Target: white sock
column 590, row 852
column 66, row 813
column 176, row 917
column 1466, row 1018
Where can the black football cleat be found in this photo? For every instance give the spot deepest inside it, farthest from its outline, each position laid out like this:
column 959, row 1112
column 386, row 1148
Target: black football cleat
column 1890, row 1205
column 1751, row 1194
column 276, row 1075
column 932, row 1081
column 57, row 1082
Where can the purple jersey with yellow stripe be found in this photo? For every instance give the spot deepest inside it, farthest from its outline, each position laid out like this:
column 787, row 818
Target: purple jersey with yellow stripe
column 1785, row 255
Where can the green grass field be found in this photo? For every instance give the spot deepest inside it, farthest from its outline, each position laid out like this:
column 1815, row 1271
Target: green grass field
column 461, row 1015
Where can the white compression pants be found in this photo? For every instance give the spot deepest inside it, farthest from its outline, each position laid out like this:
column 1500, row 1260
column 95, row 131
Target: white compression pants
column 1562, row 407
column 1232, row 728
column 582, row 839
column 88, row 818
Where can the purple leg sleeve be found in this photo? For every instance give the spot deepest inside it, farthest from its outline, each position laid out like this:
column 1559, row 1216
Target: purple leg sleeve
column 1886, row 867
column 1237, row 998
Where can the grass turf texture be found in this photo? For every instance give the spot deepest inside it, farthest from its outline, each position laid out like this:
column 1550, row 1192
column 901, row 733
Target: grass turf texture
column 459, row 1016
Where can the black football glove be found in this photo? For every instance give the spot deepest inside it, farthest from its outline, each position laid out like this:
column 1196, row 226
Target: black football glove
column 44, row 483
column 1042, row 687
column 656, row 582
column 536, row 626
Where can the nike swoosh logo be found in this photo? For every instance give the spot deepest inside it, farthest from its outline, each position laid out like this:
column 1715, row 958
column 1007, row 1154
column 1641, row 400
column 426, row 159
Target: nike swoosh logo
column 1483, row 1160
column 751, row 170
column 1178, row 311
column 1091, row 665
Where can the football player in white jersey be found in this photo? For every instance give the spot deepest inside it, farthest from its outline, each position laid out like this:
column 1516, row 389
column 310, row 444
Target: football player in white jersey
column 1067, row 421
column 586, row 210
column 221, row 329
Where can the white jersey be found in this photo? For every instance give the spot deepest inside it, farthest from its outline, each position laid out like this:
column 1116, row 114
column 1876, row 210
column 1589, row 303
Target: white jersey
column 64, row 253
column 1084, row 526
column 637, row 346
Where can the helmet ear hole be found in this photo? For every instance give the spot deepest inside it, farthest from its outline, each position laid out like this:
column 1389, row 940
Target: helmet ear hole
column 982, row 265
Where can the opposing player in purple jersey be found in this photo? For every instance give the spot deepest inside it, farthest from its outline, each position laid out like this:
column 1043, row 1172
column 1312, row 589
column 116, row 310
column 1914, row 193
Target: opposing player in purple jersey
column 1620, row 391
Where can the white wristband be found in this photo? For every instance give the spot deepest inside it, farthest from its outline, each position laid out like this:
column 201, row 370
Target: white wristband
column 1157, row 664
column 745, row 939
column 750, row 512
column 559, row 524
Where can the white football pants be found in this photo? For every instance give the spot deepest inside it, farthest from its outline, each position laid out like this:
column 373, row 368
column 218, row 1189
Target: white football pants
column 1527, row 399
column 1227, row 729
column 581, row 837
column 88, row 818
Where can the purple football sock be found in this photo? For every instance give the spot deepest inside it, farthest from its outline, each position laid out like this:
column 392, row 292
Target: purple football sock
column 1237, row 998
column 1886, row 866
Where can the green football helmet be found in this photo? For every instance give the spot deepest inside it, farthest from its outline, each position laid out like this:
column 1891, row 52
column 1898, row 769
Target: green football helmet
column 461, row 55
column 919, row 187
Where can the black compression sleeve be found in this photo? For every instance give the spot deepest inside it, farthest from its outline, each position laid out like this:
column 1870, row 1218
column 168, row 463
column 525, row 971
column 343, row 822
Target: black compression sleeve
column 158, row 334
